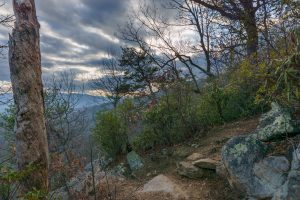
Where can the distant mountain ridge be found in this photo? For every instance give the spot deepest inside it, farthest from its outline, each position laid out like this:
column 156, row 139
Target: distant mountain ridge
column 84, row 100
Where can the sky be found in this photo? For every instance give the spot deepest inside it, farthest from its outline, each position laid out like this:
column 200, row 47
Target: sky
column 76, row 35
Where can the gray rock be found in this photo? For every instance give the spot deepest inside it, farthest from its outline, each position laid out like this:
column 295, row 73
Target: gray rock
column 222, row 171
column 239, row 156
column 188, row 170
column 296, row 159
column 162, row 184
column 120, row 170
column 276, row 124
column 291, row 189
column 206, row 163
column 272, row 171
column 134, row 161
column 194, row 157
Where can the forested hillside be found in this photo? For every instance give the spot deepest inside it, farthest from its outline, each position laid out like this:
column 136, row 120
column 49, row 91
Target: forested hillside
column 173, row 99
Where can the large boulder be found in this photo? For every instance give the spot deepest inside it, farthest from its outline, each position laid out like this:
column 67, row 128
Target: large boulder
column 239, row 156
column 291, row 189
column 134, row 161
column 272, row 171
column 276, row 124
column 161, row 185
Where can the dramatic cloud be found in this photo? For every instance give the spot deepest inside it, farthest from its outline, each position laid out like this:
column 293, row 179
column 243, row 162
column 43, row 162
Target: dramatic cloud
column 76, row 35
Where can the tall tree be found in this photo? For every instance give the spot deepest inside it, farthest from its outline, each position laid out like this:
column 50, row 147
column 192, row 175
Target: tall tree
column 25, row 69
column 243, row 11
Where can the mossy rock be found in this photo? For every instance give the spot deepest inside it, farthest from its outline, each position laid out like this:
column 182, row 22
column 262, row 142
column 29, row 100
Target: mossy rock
column 276, row 124
column 134, row 161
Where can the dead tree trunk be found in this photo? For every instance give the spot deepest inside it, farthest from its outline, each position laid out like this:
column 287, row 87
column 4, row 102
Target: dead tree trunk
column 25, row 69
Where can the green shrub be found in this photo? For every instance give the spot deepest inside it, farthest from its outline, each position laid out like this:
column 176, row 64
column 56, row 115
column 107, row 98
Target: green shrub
column 171, row 120
column 181, row 113
column 112, row 127
column 110, row 133
column 224, row 103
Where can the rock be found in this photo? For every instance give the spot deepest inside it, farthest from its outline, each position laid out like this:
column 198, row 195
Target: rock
column 120, row 170
column 206, row 163
column 81, row 184
column 182, row 152
column 60, row 193
column 162, row 184
column 272, row 170
column 291, row 189
column 194, row 156
column 276, row 124
column 134, row 161
column 96, row 164
column 222, row 171
column 239, row 156
column 296, row 160
column 187, row 169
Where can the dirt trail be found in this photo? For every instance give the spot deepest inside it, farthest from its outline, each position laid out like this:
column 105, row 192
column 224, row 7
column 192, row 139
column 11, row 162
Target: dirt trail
column 164, row 162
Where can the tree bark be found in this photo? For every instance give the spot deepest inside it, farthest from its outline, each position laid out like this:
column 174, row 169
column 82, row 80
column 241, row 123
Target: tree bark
column 25, row 69
column 250, row 24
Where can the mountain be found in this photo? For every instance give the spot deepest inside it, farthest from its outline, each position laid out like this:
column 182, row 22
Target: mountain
column 84, row 100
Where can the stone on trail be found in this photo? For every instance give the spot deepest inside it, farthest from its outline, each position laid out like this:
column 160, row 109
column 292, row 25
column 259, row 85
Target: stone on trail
column 163, row 185
column 194, row 157
column 206, row 163
column 188, row 170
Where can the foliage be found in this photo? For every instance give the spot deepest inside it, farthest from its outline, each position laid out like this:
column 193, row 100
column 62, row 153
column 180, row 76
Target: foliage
column 8, row 121
column 171, row 120
column 112, row 128
column 36, row 195
column 281, row 82
column 9, row 177
column 140, row 69
column 227, row 102
column 181, row 113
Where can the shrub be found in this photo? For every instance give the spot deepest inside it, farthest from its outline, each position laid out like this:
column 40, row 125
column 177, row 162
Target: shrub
column 181, row 113
column 110, row 133
column 113, row 127
column 171, row 120
column 281, row 83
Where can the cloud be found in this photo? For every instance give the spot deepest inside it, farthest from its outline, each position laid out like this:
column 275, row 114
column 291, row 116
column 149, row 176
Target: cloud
column 75, row 34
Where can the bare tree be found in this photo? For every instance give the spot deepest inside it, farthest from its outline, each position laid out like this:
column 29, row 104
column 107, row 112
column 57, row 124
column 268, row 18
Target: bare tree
column 152, row 32
column 25, row 68
column 200, row 19
column 243, row 11
column 66, row 125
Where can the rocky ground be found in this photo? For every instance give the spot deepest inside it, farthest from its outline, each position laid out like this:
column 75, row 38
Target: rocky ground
column 253, row 159
column 176, row 163
column 162, row 168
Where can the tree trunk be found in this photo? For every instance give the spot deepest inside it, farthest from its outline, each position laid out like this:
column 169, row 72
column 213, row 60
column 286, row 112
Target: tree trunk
column 252, row 32
column 25, row 69
column 252, row 37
